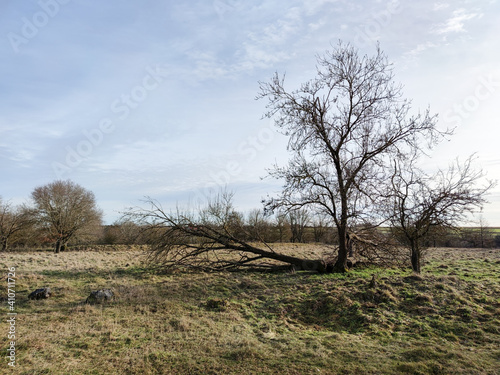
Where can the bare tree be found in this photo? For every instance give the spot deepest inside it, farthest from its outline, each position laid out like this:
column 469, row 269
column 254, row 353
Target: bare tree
column 298, row 220
column 344, row 127
column 485, row 234
column 122, row 232
column 258, row 227
column 65, row 210
column 13, row 220
column 281, row 224
column 421, row 202
column 210, row 239
column 320, row 227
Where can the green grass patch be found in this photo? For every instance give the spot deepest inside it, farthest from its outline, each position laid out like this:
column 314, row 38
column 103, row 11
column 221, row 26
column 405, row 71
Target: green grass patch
column 367, row 321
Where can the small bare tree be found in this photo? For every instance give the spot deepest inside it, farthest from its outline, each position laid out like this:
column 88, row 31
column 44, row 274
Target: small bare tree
column 213, row 238
column 13, row 220
column 320, row 227
column 281, row 224
column 65, row 209
column 257, row 225
column 298, row 219
column 485, row 234
column 344, row 127
column 122, row 232
column 421, row 202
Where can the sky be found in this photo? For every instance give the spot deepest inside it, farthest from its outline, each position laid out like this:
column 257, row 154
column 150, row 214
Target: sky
column 156, row 98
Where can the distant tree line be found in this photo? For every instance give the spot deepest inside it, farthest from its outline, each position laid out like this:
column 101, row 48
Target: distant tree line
column 20, row 227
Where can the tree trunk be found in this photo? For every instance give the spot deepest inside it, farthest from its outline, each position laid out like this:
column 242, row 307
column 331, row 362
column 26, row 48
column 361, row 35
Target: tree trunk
column 57, row 249
column 340, row 265
column 350, row 248
column 415, row 258
column 300, row 264
column 4, row 244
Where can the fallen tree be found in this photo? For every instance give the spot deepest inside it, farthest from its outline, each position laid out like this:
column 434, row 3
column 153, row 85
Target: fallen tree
column 210, row 239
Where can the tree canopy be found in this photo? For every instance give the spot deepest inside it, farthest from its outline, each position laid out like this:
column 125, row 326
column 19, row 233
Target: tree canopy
column 65, row 209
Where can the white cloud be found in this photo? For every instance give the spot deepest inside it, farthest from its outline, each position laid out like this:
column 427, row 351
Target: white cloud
column 22, row 156
column 420, row 48
column 266, row 46
column 312, row 7
column 456, row 23
column 440, row 6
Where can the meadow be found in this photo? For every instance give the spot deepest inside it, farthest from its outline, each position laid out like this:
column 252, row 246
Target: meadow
column 368, row 321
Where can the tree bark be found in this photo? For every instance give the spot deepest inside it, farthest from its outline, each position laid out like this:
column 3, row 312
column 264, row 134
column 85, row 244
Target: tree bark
column 415, row 258
column 300, row 264
column 340, row 265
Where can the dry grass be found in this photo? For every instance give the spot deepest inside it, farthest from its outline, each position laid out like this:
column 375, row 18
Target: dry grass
column 445, row 321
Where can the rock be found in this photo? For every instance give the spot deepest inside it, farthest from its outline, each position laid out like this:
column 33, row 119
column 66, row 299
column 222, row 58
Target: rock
column 100, row 296
column 41, row 293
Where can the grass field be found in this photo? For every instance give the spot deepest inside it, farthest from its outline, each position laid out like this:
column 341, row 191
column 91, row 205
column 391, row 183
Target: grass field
column 445, row 321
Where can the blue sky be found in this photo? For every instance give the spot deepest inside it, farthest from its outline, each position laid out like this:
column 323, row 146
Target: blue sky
column 157, row 98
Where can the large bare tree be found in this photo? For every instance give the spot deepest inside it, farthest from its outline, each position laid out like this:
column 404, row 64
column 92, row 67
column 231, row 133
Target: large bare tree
column 344, row 127
column 65, row 209
column 420, row 202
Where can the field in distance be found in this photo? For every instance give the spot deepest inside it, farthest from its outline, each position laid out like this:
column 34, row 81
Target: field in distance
column 368, row 321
